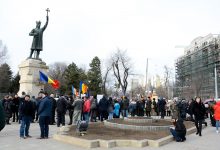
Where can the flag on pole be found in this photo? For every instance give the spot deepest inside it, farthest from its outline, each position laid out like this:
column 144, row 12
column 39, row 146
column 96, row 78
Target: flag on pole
column 74, row 91
column 44, row 78
column 83, row 88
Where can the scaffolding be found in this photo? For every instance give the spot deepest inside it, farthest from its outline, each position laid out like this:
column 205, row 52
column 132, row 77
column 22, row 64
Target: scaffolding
column 195, row 69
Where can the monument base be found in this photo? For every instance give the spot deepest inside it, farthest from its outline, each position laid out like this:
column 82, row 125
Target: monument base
column 29, row 76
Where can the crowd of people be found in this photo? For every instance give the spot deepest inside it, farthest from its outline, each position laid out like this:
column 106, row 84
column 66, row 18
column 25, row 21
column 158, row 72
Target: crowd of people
column 48, row 110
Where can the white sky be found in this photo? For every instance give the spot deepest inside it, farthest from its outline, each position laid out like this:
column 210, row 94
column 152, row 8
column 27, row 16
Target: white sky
column 78, row 30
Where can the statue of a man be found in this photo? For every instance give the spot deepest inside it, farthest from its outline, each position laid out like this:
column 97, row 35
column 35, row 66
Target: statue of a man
column 37, row 33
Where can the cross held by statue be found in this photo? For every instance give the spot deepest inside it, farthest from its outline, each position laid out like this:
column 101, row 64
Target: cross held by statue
column 48, row 10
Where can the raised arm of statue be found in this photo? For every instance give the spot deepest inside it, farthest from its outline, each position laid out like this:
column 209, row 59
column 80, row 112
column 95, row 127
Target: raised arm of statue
column 45, row 26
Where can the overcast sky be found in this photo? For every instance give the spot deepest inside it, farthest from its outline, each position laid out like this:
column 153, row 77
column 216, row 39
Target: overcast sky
column 78, row 30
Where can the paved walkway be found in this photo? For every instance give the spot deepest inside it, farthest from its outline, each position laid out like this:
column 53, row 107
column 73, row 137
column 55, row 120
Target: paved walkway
column 9, row 140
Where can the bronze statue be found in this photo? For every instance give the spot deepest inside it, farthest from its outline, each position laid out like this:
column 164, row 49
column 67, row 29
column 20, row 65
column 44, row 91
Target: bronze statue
column 37, row 33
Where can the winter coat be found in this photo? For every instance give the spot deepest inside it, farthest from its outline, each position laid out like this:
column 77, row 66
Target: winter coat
column 217, row 111
column 180, row 129
column 77, row 105
column 125, row 104
column 7, row 107
column 2, row 117
column 45, row 107
column 26, row 109
column 174, row 110
column 103, row 105
column 61, row 105
column 110, row 106
column 94, row 103
column 54, row 104
column 116, row 109
column 132, row 106
column 148, row 105
column 16, row 103
column 161, row 105
column 87, row 106
column 198, row 110
column 154, row 105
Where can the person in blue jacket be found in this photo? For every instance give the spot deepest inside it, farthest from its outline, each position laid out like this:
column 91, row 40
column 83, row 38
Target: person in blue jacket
column 44, row 112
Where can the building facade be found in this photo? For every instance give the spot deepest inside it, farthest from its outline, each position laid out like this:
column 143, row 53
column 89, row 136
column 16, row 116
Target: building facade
column 195, row 69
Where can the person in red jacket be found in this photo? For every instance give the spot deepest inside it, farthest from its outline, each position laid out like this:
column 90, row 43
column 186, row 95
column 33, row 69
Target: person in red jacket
column 217, row 115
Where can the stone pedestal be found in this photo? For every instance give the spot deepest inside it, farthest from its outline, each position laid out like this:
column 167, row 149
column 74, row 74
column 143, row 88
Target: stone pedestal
column 29, row 76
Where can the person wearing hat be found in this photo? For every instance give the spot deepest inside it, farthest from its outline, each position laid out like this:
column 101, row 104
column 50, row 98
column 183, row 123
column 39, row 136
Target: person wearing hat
column 44, row 112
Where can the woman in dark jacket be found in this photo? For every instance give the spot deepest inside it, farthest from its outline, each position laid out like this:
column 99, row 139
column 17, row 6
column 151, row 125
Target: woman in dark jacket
column 198, row 109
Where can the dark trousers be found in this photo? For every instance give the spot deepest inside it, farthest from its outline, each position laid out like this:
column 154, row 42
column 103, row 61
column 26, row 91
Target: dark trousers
column 52, row 118
column 44, row 126
column 168, row 112
column 148, row 114
column 60, row 119
column 198, row 124
column 177, row 137
column 71, row 116
column 93, row 115
column 103, row 115
column 15, row 116
column 162, row 114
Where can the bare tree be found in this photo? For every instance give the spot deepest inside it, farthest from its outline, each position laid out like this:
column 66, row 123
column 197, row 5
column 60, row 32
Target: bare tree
column 3, row 53
column 108, row 69
column 167, row 78
column 121, row 68
column 56, row 71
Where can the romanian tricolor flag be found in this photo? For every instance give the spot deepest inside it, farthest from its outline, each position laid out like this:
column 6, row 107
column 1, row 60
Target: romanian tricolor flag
column 83, row 87
column 55, row 83
column 74, row 91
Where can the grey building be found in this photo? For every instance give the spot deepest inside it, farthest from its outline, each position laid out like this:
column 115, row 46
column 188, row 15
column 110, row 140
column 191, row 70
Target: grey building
column 195, row 69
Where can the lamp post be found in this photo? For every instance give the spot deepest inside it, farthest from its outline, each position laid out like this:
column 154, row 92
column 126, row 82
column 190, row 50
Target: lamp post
column 216, row 84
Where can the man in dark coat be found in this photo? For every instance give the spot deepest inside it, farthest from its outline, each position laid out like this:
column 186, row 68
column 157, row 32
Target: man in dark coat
column 70, row 109
column 103, row 108
column 162, row 109
column 26, row 113
column 54, row 106
column 44, row 111
column 16, row 106
column 2, row 116
column 124, row 106
column 61, row 111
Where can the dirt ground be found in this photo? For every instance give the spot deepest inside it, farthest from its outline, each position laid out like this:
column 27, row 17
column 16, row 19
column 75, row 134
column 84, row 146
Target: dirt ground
column 99, row 131
column 153, row 123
